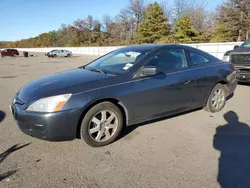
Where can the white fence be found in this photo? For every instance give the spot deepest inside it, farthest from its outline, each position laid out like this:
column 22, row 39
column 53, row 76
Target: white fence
column 216, row 49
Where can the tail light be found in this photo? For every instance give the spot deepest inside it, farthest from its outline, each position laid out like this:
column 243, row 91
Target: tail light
column 233, row 66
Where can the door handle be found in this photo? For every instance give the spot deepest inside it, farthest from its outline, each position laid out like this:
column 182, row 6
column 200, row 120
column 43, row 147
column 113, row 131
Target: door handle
column 187, row 82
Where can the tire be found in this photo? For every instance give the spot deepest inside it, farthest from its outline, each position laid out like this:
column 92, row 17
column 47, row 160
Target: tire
column 54, row 55
column 68, row 55
column 217, row 99
column 94, row 122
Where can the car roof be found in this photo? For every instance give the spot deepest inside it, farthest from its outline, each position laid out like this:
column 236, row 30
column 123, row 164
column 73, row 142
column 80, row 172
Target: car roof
column 140, row 48
column 149, row 47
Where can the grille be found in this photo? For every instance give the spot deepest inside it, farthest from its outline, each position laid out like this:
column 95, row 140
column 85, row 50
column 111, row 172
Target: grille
column 243, row 59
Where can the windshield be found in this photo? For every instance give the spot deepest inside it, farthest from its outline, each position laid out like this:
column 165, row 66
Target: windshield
column 118, row 61
column 246, row 44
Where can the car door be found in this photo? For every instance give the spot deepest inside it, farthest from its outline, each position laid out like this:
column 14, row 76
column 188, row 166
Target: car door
column 168, row 92
column 205, row 76
column 9, row 52
column 58, row 53
column 4, row 52
column 12, row 53
column 62, row 53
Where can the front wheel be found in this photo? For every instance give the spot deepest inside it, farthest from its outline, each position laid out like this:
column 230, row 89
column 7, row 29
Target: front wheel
column 101, row 125
column 217, row 99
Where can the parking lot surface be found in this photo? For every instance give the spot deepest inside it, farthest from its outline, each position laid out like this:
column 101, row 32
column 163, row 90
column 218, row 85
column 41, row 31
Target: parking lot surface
column 196, row 149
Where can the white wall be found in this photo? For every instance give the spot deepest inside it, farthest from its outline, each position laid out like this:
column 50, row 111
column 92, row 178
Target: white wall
column 216, row 49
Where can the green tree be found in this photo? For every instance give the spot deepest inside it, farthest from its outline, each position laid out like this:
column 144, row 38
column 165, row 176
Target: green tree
column 154, row 25
column 184, row 31
column 233, row 21
column 221, row 33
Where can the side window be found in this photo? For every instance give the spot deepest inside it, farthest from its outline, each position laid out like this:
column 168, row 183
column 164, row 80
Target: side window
column 169, row 60
column 197, row 59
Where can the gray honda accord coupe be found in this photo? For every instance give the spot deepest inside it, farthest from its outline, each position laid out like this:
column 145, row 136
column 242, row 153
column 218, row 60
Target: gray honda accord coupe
column 127, row 86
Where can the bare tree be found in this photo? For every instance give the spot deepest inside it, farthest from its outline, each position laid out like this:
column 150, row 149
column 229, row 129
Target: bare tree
column 248, row 20
column 117, row 32
column 243, row 8
column 235, row 15
column 136, row 10
column 168, row 11
column 208, row 26
column 180, row 8
column 89, row 22
column 197, row 13
column 80, row 24
column 97, row 26
column 107, row 22
column 127, row 23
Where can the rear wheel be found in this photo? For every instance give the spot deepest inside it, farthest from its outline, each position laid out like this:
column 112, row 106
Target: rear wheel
column 217, row 99
column 54, row 55
column 101, row 125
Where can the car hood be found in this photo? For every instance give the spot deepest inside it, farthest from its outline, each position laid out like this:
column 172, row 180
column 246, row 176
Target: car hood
column 239, row 49
column 57, row 83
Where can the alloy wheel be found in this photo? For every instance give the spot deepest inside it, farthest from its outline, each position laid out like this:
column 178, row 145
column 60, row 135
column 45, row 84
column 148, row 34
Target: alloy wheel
column 218, row 98
column 103, row 126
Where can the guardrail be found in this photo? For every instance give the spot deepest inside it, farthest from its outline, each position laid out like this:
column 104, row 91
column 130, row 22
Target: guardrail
column 216, row 49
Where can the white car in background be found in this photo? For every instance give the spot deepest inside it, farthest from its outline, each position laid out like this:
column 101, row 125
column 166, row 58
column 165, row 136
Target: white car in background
column 59, row 53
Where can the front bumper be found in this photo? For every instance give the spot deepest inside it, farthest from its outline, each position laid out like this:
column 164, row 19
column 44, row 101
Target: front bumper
column 243, row 74
column 58, row 126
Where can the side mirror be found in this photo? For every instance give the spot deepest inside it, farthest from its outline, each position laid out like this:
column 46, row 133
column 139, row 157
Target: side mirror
column 150, row 71
column 236, row 46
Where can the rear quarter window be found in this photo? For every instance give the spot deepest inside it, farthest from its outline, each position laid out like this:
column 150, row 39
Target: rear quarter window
column 197, row 59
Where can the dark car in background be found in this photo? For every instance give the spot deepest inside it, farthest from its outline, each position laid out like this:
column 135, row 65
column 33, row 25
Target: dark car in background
column 9, row 52
column 125, row 87
column 240, row 57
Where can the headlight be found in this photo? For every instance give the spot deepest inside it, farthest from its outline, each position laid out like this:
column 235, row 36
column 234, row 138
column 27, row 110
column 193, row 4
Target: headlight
column 49, row 104
column 226, row 58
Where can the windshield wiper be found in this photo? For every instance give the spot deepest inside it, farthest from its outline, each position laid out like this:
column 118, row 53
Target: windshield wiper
column 96, row 70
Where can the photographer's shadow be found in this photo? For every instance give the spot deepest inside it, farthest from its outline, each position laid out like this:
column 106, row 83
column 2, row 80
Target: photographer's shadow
column 233, row 141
